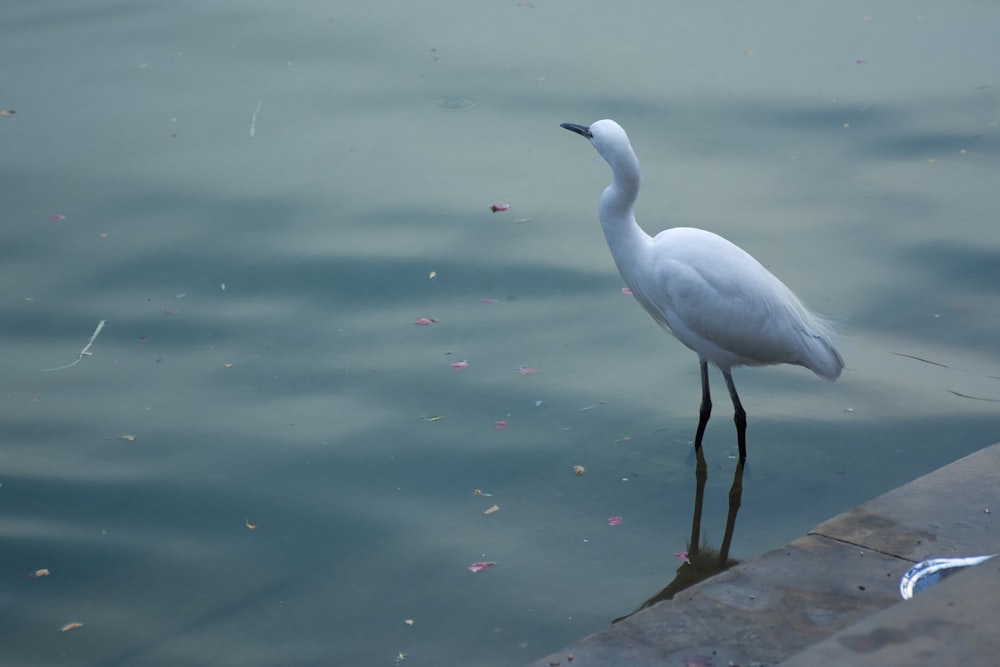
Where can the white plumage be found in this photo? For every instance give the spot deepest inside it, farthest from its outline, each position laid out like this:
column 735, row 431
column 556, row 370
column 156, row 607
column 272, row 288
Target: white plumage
column 709, row 293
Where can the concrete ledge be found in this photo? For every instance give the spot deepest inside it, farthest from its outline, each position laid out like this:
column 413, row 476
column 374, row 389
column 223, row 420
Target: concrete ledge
column 842, row 573
column 954, row 625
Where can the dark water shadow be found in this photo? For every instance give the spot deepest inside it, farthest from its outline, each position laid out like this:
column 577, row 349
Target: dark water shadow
column 701, row 561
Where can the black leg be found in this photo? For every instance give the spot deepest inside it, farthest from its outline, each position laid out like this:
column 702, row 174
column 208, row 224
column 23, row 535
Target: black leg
column 739, row 416
column 706, row 406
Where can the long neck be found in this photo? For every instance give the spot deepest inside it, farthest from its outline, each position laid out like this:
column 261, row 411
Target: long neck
column 616, row 209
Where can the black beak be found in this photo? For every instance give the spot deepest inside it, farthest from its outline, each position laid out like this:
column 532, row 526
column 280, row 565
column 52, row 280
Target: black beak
column 579, row 129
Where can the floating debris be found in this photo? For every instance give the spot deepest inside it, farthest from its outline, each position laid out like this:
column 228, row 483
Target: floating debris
column 500, row 207
column 425, row 321
column 71, row 626
column 480, row 566
column 916, row 358
column 43, row 572
column 491, row 509
column 253, row 119
column 615, row 520
column 579, row 470
column 974, row 398
column 460, row 365
column 85, row 352
column 929, row 572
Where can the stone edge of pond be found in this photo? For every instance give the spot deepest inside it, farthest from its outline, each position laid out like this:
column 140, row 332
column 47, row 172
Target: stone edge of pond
column 832, row 597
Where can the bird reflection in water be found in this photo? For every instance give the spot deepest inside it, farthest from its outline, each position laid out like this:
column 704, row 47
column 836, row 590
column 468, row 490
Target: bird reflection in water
column 702, row 561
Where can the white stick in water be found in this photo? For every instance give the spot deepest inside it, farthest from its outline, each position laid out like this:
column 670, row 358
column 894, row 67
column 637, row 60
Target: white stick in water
column 85, row 351
column 253, row 120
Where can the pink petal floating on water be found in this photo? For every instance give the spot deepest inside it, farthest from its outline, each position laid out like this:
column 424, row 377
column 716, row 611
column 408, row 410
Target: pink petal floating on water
column 171, row 311
column 499, row 424
column 500, row 207
column 614, row 520
column 480, row 566
column 460, row 365
column 57, row 216
column 683, row 556
column 487, row 301
column 524, row 370
column 626, row 290
column 425, row 320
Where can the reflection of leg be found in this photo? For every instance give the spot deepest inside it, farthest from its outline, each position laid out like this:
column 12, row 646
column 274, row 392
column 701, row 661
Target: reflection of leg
column 706, row 406
column 739, row 416
column 735, row 498
column 701, row 477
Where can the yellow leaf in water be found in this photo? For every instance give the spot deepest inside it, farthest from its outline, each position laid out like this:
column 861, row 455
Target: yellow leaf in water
column 491, row 510
column 130, row 438
column 71, row 626
column 40, row 573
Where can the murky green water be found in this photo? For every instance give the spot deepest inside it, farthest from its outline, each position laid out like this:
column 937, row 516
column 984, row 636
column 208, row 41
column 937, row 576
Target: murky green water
column 255, row 197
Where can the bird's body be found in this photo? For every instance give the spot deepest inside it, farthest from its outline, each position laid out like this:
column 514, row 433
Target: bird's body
column 720, row 302
column 706, row 291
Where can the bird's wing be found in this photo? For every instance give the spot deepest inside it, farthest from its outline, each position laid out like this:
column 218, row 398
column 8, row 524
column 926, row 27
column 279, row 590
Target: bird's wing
column 720, row 302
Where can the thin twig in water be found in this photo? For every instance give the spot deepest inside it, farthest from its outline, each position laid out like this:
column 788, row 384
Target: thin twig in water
column 253, row 120
column 910, row 356
column 85, row 351
column 974, row 398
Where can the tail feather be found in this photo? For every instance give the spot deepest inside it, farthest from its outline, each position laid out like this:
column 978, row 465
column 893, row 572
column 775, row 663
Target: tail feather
column 820, row 355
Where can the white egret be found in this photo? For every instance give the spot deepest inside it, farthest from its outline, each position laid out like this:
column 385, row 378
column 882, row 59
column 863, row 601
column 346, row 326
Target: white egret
column 705, row 291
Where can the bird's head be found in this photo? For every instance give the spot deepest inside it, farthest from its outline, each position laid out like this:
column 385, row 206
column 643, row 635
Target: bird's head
column 612, row 143
column 604, row 134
